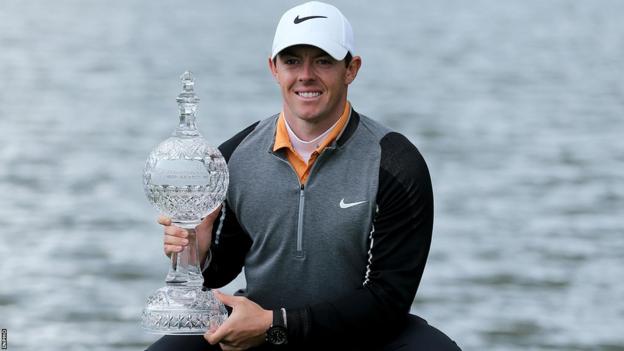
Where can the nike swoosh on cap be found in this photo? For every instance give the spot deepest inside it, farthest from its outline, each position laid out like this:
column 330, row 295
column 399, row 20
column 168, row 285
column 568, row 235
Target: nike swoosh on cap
column 350, row 204
column 299, row 20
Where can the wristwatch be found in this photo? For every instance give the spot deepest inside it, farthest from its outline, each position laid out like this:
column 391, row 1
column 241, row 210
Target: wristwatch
column 277, row 334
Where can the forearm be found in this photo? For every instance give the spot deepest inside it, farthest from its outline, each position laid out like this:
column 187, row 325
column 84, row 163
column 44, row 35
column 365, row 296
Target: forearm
column 364, row 312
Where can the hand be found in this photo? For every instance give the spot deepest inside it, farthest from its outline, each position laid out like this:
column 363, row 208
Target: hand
column 245, row 327
column 176, row 238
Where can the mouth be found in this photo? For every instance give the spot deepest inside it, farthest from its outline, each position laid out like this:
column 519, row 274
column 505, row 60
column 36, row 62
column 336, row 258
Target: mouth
column 308, row 94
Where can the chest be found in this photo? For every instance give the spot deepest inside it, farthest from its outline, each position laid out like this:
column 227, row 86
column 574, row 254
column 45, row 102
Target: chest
column 329, row 216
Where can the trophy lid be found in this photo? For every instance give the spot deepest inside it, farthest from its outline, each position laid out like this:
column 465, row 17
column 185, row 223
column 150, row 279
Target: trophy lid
column 187, row 104
column 187, row 96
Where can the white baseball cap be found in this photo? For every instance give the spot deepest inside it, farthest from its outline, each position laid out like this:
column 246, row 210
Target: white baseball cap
column 318, row 24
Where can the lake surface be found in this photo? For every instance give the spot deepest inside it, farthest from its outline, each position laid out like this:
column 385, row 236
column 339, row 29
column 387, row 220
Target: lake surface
column 518, row 108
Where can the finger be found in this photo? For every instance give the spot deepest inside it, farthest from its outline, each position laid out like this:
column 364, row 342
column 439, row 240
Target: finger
column 170, row 228
column 175, row 240
column 229, row 300
column 176, row 231
column 216, row 336
column 169, row 249
column 164, row 220
column 226, row 347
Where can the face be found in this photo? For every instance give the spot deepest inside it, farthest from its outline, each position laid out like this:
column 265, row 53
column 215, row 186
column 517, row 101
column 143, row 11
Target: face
column 313, row 84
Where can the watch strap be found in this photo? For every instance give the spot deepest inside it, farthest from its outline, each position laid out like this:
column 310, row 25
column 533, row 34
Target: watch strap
column 279, row 317
column 277, row 334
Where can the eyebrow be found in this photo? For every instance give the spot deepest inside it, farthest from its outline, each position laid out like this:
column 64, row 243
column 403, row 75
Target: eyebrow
column 287, row 52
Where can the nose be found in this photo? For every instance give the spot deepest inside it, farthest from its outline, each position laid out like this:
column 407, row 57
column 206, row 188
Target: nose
column 307, row 71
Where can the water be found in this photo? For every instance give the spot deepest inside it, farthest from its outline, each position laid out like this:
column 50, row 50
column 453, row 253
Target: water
column 517, row 107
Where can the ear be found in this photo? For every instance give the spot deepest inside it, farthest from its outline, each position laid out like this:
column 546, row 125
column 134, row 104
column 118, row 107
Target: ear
column 352, row 69
column 273, row 68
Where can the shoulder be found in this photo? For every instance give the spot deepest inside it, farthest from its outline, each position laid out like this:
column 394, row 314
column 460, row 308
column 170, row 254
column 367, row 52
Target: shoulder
column 404, row 179
column 399, row 157
column 395, row 147
column 401, row 160
column 228, row 147
column 375, row 129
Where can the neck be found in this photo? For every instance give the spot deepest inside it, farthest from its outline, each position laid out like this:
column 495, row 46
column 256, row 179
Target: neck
column 307, row 143
column 307, row 130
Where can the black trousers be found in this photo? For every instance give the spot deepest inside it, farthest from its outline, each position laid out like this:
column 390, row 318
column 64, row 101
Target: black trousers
column 417, row 335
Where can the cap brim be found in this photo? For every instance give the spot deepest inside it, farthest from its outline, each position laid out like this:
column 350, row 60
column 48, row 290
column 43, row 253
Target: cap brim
column 338, row 52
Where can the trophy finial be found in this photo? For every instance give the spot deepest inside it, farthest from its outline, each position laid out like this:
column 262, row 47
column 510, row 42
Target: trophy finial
column 187, row 81
column 187, row 100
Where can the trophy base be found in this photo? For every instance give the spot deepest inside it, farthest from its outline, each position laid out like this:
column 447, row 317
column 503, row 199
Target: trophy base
column 186, row 310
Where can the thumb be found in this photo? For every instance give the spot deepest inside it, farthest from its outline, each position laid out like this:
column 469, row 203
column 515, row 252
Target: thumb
column 164, row 220
column 208, row 221
column 215, row 213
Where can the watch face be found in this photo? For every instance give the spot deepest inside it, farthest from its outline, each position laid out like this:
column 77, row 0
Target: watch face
column 277, row 335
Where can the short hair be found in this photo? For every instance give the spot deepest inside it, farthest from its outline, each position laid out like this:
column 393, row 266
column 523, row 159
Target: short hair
column 348, row 59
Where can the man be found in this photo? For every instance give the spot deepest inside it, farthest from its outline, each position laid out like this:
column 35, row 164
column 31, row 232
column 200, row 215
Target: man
column 329, row 213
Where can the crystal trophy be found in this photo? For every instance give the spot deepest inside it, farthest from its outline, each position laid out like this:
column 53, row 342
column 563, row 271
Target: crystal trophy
column 185, row 179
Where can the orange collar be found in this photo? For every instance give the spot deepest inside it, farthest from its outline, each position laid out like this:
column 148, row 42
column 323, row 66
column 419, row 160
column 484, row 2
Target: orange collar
column 283, row 141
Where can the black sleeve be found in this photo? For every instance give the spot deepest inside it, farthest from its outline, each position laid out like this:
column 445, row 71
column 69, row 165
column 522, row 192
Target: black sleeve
column 229, row 247
column 401, row 237
column 230, row 242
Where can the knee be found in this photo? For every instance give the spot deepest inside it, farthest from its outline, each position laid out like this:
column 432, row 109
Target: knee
column 420, row 335
column 447, row 345
column 181, row 342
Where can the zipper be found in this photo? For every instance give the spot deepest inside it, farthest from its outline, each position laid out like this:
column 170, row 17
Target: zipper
column 299, row 252
column 300, row 222
column 299, row 249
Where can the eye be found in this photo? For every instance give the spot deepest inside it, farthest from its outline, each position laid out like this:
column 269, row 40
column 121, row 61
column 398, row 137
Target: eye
column 324, row 61
column 291, row 61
